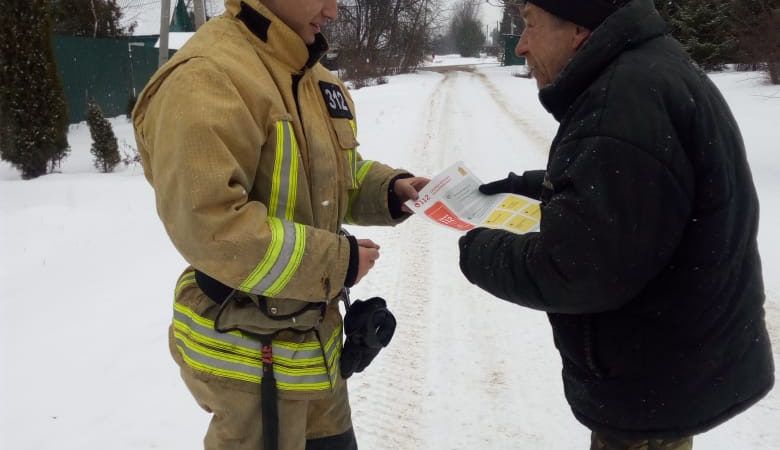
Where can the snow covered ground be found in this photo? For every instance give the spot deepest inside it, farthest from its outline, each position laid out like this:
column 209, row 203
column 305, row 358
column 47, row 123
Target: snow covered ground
column 87, row 273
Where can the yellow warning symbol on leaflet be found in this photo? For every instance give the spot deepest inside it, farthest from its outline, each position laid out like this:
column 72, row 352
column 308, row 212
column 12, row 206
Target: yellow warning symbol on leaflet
column 513, row 203
column 521, row 224
column 533, row 211
column 497, row 218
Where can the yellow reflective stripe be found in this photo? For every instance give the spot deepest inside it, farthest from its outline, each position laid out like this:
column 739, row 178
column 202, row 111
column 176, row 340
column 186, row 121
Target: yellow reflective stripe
column 255, row 344
column 352, row 153
column 289, row 213
column 336, row 334
column 334, row 368
column 295, row 371
column 217, row 371
column 271, row 255
column 208, row 323
column 284, row 182
column 325, row 385
column 333, row 346
column 273, row 202
column 301, row 362
column 215, row 343
column 186, row 279
column 293, row 264
column 185, row 346
column 295, row 347
column 362, row 171
column 333, row 357
column 246, row 352
column 202, row 349
column 365, row 166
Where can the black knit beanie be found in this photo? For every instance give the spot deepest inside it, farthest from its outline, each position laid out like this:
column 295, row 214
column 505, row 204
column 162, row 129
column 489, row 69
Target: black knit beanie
column 587, row 13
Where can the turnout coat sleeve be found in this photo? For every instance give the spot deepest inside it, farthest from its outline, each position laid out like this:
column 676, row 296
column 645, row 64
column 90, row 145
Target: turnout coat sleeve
column 610, row 226
column 203, row 177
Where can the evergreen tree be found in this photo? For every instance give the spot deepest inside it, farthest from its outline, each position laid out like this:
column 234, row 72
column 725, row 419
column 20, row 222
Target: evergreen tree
column 705, row 28
column 466, row 28
column 707, row 32
column 89, row 18
column 104, row 145
column 33, row 112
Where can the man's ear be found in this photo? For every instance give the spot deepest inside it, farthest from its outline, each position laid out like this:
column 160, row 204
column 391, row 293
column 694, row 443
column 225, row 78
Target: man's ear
column 581, row 35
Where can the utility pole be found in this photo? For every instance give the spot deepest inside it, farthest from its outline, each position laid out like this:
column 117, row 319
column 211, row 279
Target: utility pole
column 200, row 13
column 165, row 25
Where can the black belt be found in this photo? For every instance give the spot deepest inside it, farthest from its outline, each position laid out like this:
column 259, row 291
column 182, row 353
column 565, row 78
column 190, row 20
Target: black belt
column 215, row 290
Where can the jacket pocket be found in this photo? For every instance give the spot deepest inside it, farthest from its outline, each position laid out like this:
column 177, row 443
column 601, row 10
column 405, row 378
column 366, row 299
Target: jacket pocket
column 347, row 156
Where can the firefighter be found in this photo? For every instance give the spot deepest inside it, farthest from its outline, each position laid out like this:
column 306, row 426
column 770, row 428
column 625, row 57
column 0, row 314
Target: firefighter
column 250, row 146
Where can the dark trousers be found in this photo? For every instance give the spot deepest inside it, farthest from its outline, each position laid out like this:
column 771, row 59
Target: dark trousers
column 343, row 441
column 600, row 441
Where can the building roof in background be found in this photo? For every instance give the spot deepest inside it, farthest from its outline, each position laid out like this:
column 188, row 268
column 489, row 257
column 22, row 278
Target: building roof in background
column 176, row 40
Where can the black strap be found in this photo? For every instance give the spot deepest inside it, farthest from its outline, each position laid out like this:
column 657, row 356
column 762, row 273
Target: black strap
column 268, row 396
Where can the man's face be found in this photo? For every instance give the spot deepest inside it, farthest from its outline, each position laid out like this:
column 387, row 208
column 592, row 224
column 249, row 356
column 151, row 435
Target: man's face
column 548, row 43
column 305, row 17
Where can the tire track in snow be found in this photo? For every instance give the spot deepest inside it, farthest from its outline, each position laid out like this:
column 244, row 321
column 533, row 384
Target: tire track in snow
column 447, row 360
column 469, row 367
column 542, row 142
column 390, row 395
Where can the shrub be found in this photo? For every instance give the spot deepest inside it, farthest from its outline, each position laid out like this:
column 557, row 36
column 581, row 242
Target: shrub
column 104, row 145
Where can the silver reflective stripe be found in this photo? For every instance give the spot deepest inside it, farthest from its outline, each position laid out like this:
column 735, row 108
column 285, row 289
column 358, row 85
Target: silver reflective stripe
column 227, row 338
column 253, row 371
column 282, row 261
column 329, row 352
column 285, row 173
column 239, row 341
column 297, row 366
column 297, row 354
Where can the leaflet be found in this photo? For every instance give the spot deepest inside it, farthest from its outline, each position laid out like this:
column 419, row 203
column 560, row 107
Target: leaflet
column 452, row 199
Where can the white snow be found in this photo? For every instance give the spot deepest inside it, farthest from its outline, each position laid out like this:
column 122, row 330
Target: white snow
column 87, row 279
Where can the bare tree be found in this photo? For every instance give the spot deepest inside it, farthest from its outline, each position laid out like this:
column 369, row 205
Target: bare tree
column 757, row 24
column 382, row 37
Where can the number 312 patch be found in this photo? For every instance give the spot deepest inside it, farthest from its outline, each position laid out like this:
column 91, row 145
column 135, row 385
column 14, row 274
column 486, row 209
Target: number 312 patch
column 335, row 100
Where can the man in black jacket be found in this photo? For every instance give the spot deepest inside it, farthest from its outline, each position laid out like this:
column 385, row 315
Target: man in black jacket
column 647, row 260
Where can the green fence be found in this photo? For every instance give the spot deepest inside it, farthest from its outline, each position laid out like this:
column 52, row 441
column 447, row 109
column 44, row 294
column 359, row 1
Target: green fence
column 107, row 71
column 510, row 59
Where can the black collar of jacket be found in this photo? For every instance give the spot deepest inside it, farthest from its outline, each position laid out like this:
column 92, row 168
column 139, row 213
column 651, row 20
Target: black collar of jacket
column 630, row 26
column 259, row 25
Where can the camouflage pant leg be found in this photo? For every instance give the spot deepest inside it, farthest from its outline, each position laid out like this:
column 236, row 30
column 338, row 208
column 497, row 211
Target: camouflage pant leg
column 600, row 441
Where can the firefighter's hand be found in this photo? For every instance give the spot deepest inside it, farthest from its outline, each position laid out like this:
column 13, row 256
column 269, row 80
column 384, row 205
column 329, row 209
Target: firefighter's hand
column 407, row 189
column 368, row 253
